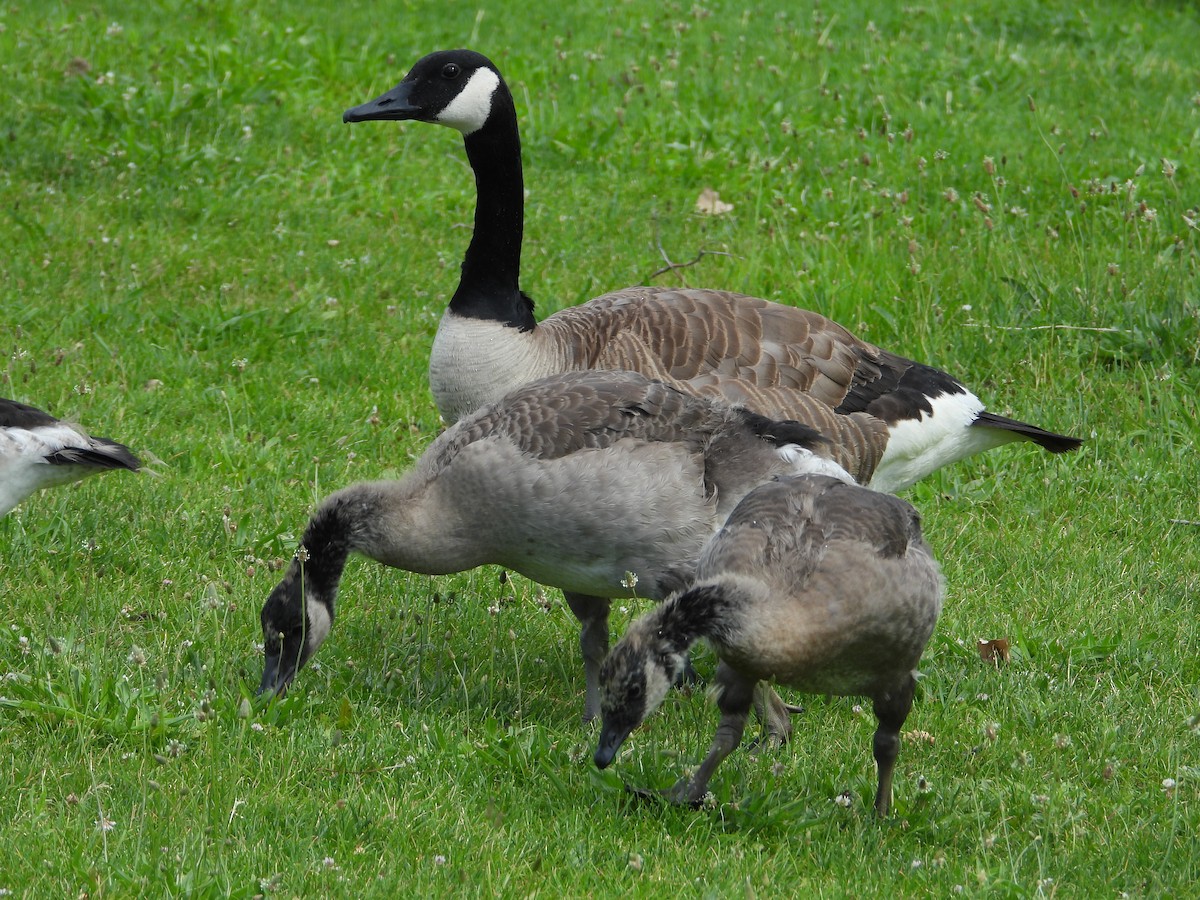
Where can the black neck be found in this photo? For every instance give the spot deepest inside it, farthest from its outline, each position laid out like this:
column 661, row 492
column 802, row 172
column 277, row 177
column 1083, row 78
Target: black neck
column 332, row 534
column 489, row 287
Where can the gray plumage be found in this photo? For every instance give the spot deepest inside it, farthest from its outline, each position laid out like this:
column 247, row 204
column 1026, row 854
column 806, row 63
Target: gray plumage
column 39, row 451
column 814, row 583
column 745, row 350
column 574, row 481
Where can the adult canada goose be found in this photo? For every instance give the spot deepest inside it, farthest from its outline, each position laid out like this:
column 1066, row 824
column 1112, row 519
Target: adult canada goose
column 726, row 344
column 575, row 481
column 37, row 451
column 821, row 585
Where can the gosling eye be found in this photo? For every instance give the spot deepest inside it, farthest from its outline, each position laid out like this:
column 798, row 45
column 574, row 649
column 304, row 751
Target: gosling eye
column 450, row 71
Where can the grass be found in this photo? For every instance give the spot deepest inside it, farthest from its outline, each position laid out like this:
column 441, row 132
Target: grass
column 201, row 261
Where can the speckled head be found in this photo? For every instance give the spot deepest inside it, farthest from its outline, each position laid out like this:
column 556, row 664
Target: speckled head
column 634, row 680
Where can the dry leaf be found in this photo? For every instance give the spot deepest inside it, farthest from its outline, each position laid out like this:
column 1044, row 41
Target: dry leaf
column 709, row 203
column 995, row 651
column 918, row 737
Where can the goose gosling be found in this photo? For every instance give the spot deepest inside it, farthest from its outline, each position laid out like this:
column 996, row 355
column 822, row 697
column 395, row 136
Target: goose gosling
column 815, row 583
column 39, row 451
column 573, row 481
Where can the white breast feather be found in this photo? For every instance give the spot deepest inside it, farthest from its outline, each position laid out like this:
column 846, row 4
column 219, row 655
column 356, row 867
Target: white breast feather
column 476, row 361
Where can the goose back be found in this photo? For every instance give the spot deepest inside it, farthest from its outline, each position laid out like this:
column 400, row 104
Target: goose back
column 842, row 589
column 743, row 348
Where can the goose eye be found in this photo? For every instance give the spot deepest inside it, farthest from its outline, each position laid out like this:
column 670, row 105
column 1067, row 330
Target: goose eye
column 450, row 71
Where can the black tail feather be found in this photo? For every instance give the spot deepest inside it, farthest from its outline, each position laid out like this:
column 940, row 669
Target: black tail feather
column 105, row 454
column 1055, row 443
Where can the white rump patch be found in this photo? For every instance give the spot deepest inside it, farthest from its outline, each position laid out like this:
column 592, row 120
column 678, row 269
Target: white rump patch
column 469, row 111
column 23, row 464
column 917, row 447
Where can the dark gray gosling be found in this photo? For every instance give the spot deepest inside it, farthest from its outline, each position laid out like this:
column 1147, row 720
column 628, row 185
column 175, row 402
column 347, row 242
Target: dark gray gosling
column 814, row 583
column 575, row 481
column 39, row 451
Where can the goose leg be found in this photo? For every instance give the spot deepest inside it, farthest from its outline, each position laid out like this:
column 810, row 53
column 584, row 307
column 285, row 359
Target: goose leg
column 891, row 709
column 735, row 696
column 592, row 613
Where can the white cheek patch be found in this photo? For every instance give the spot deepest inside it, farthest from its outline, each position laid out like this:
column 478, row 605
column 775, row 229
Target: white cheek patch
column 469, row 111
column 319, row 625
column 658, row 683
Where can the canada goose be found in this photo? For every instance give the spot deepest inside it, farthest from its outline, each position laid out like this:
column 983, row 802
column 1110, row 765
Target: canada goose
column 488, row 341
column 821, row 585
column 575, row 481
column 37, row 451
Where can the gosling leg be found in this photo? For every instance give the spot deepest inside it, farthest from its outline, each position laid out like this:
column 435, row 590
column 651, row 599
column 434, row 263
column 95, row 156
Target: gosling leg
column 774, row 714
column 592, row 613
column 891, row 709
column 735, row 696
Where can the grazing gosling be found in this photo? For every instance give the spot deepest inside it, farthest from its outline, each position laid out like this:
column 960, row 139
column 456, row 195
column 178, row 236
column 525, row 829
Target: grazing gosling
column 574, row 481
column 38, row 451
column 821, row 585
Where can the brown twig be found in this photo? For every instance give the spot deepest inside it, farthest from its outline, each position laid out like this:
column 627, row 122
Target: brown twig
column 672, row 266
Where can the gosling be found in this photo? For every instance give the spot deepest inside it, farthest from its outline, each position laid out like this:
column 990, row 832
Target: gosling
column 576, row 481
column 821, row 585
column 39, row 451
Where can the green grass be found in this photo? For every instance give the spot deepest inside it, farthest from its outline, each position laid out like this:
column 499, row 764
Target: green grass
column 202, row 261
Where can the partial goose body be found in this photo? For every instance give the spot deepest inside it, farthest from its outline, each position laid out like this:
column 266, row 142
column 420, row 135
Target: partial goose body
column 577, row 481
column 39, row 451
column 718, row 343
column 814, row 583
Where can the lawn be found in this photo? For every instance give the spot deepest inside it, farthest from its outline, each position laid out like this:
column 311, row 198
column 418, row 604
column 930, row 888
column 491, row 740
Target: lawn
column 201, row 261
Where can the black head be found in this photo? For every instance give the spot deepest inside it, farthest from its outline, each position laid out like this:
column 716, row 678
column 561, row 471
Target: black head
column 294, row 625
column 450, row 87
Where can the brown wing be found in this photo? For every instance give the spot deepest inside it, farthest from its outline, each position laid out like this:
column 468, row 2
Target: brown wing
column 574, row 411
column 685, row 334
column 855, row 441
column 783, row 362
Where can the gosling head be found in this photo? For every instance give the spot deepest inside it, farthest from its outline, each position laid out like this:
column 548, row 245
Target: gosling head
column 451, row 87
column 295, row 621
column 634, row 679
